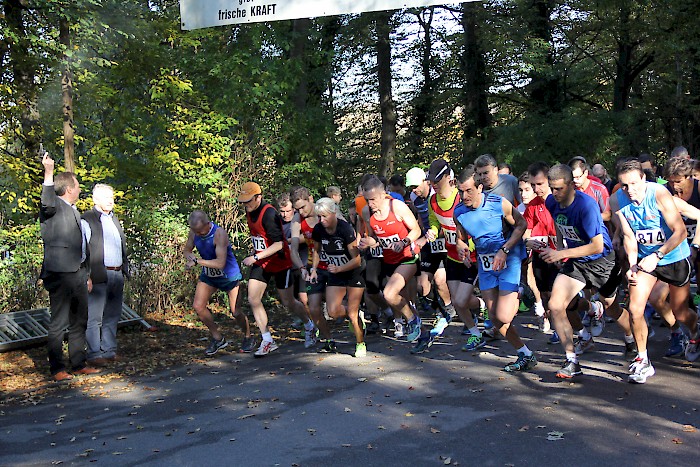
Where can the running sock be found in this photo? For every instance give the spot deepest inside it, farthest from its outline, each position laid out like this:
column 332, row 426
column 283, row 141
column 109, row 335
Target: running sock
column 525, row 350
column 309, row 325
column 572, row 357
column 475, row 331
column 629, row 339
column 539, row 308
column 450, row 310
column 585, row 334
column 643, row 355
column 267, row 337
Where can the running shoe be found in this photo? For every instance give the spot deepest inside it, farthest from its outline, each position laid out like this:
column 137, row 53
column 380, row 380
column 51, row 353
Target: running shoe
column 474, row 343
column 422, row 345
column 586, row 320
column 414, row 329
column 692, row 350
column 678, row 344
column 440, row 325
column 466, row 331
column 310, row 338
column 328, row 346
column 554, row 338
column 630, row 351
column 484, row 312
column 399, row 331
column 488, row 324
column 640, row 370
column 523, row 363
column 543, row 324
column 248, row 344
column 490, row 333
column 597, row 322
column 215, row 346
column 569, row 370
column 360, row 350
column 265, row 348
column 581, row 346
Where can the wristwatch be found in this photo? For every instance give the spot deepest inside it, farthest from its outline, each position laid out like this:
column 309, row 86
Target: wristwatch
column 255, row 257
column 659, row 254
column 695, row 245
column 196, row 261
column 505, row 250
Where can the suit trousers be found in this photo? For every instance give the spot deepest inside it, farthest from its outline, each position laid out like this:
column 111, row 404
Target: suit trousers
column 68, row 298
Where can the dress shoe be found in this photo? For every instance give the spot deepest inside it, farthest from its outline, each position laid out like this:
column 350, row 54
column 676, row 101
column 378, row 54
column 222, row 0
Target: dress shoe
column 62, row 376
column 88, row 370
column 99, row 361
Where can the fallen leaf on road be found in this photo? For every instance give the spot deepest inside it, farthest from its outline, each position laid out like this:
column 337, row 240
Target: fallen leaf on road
column 347, row 409
column 242, row 417
column 409, row 414
column 524, row 428
column 380, row 427
column 555, row 436
column 362, row 380
column 689, row 428
column 434, row 430
column 346, row 445
column 677, row 441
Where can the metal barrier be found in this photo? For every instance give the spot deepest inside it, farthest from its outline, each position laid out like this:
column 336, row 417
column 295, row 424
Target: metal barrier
column 25, row 328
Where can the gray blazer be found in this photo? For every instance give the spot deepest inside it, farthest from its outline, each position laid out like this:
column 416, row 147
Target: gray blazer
column 62, row 234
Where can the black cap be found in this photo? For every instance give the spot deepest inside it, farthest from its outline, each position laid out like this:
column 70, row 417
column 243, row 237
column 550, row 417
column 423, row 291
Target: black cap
column 438, row 169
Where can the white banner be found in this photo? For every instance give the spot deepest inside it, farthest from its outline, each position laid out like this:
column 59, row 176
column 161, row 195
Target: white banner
column 196, row 14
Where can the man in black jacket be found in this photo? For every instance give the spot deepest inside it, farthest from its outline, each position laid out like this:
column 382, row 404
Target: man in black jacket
column 108, row 268
column 64, row 270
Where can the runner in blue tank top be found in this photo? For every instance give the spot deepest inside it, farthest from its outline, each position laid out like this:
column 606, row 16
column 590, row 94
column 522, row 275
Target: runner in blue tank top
column 220, row 271
column 586, row 257
column 483, row 217
column 654, row 239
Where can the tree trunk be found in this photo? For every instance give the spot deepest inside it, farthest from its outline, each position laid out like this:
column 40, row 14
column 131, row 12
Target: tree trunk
column 472, row 69
column 423, row 103
column 545, row 82
column 386, row 101
column 24, row 69
column 300, row 39
column 67, row 97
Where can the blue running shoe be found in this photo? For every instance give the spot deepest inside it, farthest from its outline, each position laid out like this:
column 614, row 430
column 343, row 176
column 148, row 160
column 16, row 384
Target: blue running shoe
column 554, row 339
column 474, row 343
column 440, row 325
column 414, row 329
column 677, row 346
column 488, row 324
column 466, row 331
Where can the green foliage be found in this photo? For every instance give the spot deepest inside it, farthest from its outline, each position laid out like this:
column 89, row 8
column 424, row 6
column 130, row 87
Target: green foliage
column 21, row 254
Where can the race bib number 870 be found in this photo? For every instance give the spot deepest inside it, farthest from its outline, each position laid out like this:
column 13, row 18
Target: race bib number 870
column 486, row 262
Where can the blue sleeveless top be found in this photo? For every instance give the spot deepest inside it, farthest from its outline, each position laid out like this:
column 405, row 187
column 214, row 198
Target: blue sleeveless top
column 207, row 250
column 650, row 228
column 486, row 225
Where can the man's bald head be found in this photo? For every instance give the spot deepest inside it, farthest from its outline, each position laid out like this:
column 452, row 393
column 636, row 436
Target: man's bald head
column 599, row 171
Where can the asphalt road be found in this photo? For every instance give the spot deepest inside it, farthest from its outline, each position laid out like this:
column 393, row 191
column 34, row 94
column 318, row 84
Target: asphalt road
column 445, row 407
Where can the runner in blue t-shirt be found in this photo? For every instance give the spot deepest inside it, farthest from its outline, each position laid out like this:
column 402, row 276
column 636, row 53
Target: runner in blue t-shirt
column 483, row 217
column 585, row 255
column 654, row 240
column 220, row 271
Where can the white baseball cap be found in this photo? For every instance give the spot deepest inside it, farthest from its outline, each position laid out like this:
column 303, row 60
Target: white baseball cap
column 415, row 176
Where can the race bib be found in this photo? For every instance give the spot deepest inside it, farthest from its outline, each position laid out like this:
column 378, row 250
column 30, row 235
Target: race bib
column 650, row 237
column 450, row 236
column 259, row 243
column 337, row 260
column 569, row 233
column 322, row 256
column 376, row 251
column 213, row 272
column 438, row 246
column 386, row 242
column 486, row 262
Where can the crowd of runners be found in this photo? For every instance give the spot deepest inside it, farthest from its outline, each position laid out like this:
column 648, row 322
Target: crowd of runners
column 592, row 250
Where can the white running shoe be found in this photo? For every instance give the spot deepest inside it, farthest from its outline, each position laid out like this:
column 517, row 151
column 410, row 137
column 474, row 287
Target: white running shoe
column 265, row 348
column 640, row 370
column 310, row 337
column 399, row 330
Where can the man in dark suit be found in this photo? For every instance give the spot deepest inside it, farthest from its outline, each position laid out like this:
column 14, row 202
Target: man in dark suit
column 64, row 271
